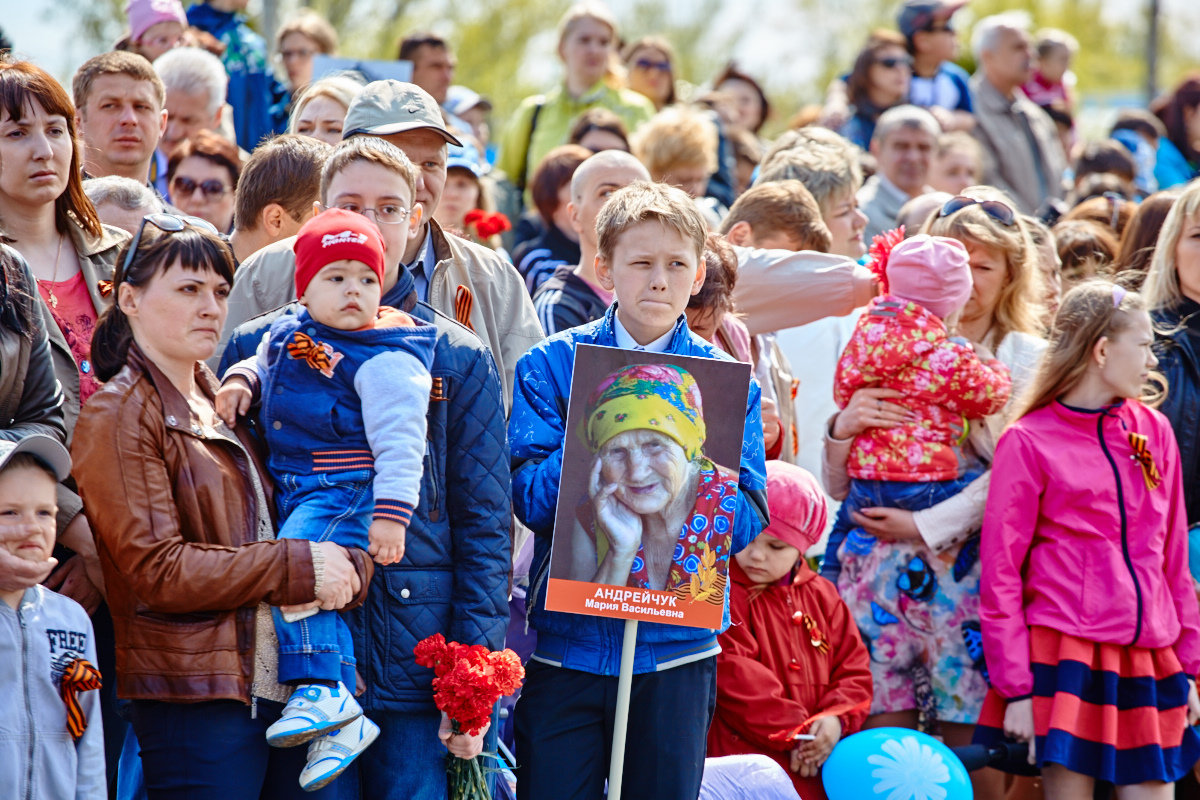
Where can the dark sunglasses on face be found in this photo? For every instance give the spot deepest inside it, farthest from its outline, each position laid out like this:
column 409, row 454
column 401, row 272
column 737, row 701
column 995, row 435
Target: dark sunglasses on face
column 895, row 61
column 211, row 188
column 940, row 28
column 993, row 208
column 648, row 64
column 167, row 223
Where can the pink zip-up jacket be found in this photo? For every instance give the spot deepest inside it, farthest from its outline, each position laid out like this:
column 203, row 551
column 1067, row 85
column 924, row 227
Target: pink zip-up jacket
column 1075, row 540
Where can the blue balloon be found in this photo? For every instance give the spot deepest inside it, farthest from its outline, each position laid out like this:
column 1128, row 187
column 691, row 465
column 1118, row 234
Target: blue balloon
column 894, row 764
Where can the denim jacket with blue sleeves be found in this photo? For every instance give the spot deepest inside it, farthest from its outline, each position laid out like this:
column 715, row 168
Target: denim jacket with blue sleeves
column 536, row 436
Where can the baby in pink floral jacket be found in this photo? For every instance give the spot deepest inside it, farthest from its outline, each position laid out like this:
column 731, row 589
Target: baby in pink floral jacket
column 901, row 343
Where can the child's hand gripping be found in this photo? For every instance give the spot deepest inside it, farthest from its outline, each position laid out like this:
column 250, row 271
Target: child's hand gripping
column 387, row 540
column 233, row 399
column 808, row 757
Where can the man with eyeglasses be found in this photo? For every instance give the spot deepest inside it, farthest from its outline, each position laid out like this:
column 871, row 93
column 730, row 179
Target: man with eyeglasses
column 453, row 578
column 1022, row 151
column 465, row 281
column 938, row 84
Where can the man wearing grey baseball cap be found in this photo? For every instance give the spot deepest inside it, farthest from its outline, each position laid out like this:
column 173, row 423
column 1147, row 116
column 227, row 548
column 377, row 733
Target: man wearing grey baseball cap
column 463, row 280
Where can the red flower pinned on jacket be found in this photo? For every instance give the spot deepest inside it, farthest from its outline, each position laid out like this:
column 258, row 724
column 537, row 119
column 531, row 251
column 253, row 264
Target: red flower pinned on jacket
column 104, row 287
column 486, row 224
column 881, row 248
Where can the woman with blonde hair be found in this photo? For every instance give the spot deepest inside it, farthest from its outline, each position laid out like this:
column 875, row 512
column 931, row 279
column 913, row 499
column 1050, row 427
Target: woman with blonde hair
column 679, row 147
column 587, row 45
column 1090, row 625
column 1172, row 292
column 1002, row 316
column 320, row 110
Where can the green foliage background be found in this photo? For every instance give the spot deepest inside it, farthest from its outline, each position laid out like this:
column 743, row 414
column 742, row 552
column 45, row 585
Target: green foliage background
column 505, row 48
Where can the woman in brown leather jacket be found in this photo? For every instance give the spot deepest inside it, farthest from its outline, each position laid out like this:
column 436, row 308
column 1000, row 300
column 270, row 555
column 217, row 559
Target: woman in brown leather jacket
column 183, row 525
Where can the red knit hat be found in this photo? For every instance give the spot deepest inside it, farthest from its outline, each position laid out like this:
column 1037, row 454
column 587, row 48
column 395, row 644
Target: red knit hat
column 335, row 235
column 797, row 505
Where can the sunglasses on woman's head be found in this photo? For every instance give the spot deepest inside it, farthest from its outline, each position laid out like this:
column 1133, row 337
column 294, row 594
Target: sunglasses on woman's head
column 167, row 223
column 993, row 208
column 211, row 188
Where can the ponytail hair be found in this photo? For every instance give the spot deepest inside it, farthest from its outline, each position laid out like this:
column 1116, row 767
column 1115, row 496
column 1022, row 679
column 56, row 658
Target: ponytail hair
column 1091, row 310
column 193, row 248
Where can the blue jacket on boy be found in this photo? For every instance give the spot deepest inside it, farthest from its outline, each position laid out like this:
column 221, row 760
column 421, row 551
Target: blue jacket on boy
column 536, row 436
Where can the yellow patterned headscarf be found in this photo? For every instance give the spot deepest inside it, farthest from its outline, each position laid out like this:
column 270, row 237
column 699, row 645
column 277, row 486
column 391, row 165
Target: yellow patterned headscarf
column 653, row 397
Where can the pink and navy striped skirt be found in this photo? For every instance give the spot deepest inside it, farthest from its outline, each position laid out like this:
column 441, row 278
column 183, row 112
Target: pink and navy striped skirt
column 1116, row 713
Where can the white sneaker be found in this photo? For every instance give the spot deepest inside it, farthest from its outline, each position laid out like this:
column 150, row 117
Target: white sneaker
column 311, row 711
column 329, row 755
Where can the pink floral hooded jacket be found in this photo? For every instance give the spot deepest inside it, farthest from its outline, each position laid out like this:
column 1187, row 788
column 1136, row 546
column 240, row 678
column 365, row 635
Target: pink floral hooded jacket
column 900, row 345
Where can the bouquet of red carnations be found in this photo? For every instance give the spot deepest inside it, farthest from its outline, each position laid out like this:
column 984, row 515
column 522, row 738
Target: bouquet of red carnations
column 483, row 225
column 468, row 680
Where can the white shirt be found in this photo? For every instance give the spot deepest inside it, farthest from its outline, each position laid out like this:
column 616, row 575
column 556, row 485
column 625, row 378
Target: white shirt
column 627, row 342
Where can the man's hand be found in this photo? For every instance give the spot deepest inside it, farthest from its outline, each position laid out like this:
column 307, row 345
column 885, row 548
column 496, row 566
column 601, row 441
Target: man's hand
column 460, row 744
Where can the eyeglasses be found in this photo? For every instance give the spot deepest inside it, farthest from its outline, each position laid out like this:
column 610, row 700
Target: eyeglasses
column 940, row 29
column 211, row 188
column 288, row 55
column 895, row 61
column 993, row 208
column 387, row 214
column 167, row 223
column 648, row 64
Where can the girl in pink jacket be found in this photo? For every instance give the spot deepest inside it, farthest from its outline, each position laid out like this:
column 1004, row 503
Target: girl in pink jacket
column 1091, row 631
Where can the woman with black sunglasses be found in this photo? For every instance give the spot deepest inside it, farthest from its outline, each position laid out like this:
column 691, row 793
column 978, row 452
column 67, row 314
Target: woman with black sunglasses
column 939, row 670
column 183, row 521
column 202, row 174
column 879, row 80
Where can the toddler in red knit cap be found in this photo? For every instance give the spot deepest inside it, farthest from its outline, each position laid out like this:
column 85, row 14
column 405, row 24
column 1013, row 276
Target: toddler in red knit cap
column 791, row 663
column 343, row 389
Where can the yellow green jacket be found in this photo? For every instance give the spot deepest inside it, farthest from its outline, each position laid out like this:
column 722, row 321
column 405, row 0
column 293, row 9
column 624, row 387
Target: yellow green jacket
column 521, row 152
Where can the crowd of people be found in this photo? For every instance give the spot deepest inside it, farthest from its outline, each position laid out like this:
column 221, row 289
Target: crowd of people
column 285, row 369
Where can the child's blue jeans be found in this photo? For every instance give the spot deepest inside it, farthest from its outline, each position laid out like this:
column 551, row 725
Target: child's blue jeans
column 885, row 494
column 324, row 507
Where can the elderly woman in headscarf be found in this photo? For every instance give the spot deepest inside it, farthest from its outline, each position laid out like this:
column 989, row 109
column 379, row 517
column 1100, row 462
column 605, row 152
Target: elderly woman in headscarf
column 656, row 507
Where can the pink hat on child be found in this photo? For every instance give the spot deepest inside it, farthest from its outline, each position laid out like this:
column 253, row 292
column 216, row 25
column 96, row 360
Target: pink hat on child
column 932, row 271
column 144, row 14
column 797, row 505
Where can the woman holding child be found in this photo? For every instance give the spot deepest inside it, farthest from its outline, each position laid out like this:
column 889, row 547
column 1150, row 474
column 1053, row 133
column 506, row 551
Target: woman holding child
column 933, row 554
column 183, row 522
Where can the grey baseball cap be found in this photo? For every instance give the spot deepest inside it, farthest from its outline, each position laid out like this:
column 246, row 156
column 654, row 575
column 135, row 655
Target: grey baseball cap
column 44, row 448
column 385, row 107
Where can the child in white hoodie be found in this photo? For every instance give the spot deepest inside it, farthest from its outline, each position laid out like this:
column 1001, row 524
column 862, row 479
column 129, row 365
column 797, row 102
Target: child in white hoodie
column 51, row 740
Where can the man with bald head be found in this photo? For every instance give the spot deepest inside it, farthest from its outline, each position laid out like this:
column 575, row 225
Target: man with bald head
column 573, row 295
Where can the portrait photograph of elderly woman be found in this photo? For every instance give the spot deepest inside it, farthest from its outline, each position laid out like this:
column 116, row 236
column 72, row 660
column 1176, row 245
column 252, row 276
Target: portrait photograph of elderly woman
column 646, row 499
